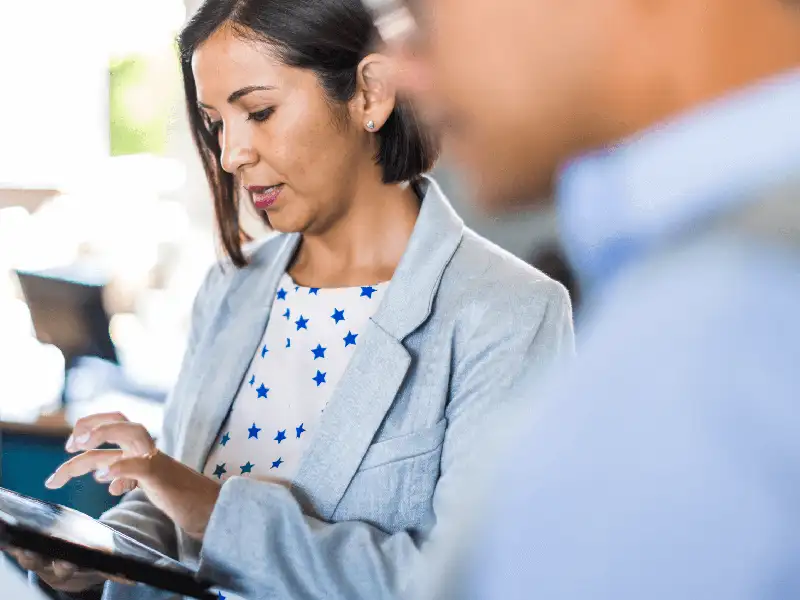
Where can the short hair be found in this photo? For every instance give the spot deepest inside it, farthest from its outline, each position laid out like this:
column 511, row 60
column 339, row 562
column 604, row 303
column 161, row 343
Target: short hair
column 327, row 37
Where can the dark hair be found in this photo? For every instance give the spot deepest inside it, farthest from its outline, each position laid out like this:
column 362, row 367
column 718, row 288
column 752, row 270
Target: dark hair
column 328, row 37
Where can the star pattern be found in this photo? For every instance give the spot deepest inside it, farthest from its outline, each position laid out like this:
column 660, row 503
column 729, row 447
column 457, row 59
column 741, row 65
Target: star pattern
column 303, row 354
column 319, row 378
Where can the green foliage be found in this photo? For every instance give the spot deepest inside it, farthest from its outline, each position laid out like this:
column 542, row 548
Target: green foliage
column 142, row 94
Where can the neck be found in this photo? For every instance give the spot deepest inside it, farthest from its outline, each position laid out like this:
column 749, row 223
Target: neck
column 365, row 243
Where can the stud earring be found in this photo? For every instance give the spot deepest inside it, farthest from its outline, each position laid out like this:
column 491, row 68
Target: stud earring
column 370, row 125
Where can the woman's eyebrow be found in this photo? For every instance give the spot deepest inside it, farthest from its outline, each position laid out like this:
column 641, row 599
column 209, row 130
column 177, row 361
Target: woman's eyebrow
column 239, row 94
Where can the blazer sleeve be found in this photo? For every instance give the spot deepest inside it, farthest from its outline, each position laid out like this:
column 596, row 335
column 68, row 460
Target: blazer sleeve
column 135, row 515
column 259, row 542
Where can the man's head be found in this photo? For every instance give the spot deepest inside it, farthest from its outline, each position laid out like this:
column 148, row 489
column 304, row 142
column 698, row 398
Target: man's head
column 522, row 86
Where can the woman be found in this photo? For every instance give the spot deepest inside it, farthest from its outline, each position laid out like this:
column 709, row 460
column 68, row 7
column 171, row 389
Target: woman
column 338, row 375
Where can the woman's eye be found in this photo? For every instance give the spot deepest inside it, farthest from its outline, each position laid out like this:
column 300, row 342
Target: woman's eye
column 261, row 115
column 213, row 127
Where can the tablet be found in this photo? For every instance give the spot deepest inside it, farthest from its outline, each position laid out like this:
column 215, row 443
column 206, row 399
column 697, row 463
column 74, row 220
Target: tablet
column 59, row 532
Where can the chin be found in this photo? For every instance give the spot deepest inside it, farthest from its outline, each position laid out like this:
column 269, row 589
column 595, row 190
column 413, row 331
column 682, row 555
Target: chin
column 282, row 222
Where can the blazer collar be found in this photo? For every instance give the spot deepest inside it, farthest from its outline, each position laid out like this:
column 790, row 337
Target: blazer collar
column 436, row 236
column 409, row 299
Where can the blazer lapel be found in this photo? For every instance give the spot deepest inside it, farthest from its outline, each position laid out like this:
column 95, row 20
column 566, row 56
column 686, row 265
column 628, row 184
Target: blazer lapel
column 229, row 347
column 353, row 415
column 377, row 369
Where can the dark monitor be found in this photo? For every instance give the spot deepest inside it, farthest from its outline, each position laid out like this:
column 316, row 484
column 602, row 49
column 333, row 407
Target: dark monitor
column 67, row 311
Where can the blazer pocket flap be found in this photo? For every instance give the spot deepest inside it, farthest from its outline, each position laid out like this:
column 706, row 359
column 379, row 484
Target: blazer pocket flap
column 405, row 446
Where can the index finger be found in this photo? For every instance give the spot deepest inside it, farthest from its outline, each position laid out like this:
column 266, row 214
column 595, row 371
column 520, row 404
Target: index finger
column 84, row 426
column 93, row 460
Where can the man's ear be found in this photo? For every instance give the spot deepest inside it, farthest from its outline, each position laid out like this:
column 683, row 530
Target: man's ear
column 375, row 95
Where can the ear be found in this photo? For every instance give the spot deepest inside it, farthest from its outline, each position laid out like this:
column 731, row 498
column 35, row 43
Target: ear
column 375, row 95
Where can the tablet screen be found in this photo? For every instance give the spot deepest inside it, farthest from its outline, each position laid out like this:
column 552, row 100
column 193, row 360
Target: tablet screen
column 72, row 526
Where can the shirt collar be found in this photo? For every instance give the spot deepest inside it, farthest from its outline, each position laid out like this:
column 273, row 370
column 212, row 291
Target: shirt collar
column 616, row 203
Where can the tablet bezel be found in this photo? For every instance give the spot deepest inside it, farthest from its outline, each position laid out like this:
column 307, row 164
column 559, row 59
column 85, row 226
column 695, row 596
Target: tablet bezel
column 17, row 535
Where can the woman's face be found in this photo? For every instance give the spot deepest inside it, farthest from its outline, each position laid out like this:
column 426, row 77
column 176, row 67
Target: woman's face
column 280, row 136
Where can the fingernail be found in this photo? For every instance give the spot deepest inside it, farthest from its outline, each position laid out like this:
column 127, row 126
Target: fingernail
column 70, row 443
column 101, row 474
column 50, row 481
column 82, row 439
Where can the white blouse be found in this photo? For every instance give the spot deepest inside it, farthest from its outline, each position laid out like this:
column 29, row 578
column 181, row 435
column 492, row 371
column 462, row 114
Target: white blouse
column 308, row 342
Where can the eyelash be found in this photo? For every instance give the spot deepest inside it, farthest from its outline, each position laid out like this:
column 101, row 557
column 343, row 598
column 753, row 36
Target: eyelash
column 258, row 116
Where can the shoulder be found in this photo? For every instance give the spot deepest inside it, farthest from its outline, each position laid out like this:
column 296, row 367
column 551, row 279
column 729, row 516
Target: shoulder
column 485, row 280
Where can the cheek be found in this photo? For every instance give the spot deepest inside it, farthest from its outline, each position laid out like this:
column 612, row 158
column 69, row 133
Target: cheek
column 302, row 147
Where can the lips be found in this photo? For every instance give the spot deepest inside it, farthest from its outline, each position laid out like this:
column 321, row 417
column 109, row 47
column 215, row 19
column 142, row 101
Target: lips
column 264, row 196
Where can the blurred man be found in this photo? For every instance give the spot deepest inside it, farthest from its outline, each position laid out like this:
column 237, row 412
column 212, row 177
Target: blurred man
column 666, row 463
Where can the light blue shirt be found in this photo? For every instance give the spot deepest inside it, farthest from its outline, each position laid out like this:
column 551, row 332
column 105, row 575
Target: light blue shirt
column 666, row 463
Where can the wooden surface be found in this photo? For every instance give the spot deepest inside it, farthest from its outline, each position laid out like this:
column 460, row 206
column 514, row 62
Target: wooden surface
column 54, row 425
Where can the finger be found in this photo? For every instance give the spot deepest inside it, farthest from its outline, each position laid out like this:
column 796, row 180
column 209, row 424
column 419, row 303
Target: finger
column 84, row 426
column 93, row 460
column 29, row 561
column 132, row 438
column 137, row 468
column 122, row 486
column 63, row 570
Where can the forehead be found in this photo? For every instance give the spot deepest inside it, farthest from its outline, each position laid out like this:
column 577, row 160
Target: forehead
column 225, row 63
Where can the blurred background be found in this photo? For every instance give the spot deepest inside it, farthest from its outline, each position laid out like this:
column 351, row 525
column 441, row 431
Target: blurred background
column 106, row 225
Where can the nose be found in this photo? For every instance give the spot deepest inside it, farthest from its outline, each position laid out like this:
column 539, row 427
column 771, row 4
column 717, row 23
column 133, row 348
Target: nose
column 237, row 150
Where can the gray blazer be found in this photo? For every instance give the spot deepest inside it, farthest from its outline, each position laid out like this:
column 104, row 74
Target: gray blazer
column 460, row 322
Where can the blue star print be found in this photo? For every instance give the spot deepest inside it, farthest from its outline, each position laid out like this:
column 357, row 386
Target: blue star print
column 319, row 378
column 300, row 430
column 220, row 596
column 262, row 391
column 288, row 343
column 301, row 323
column 220, row 471
column 287, row 314
column 350, row 339
column 368, row 291
column 252, row 432
column 319, row 351
column 276, row 464
column 252, row 380
column 225, row 439
column 247, row 468
column 314, row 291
column 337, row 316
column 281, row 436
column 281, row 294
column 264, row 351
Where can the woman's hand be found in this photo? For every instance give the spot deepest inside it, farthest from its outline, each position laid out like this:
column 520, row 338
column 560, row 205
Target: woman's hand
column 183, row 494
column 59, row 575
